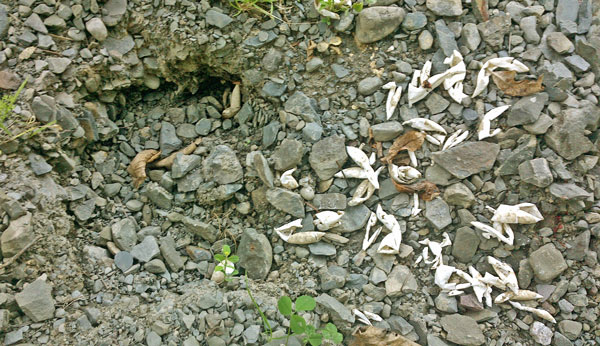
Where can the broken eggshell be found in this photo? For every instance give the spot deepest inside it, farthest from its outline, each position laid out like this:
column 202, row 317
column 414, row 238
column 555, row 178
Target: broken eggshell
column 403, row 174
column 538, row 312
column 523, row 213
column 326, row 220
column 362, row 160
column 518, row 296
column 497, row 231
column 423, row 124
column 507, row 63
column 484, row 128
column 368, row 238
column 287, row 180
column 505, row 273
column 393, row 98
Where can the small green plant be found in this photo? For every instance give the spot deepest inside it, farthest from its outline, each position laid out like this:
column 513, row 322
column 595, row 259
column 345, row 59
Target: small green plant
column 226, row 263
column 253, row 5
column 336, row 6
column 13, row 126
column 299, row 327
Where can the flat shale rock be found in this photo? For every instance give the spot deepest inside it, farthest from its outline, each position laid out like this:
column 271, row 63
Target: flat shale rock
column 467, row 159
column 328, row 156
column 375, row 23
column 462, row 330
column 547, row 263
column 36, row 301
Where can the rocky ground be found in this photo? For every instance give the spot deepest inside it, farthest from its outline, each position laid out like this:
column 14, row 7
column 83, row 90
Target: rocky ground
column 97, row 261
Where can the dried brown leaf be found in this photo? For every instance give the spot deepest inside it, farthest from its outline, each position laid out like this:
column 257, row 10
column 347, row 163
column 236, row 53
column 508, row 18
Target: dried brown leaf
column 167, row 162
column 310, row 50
column 412, row 141
column 505, row 80
column 426, row 189
column 137, row 167
column 373, row 336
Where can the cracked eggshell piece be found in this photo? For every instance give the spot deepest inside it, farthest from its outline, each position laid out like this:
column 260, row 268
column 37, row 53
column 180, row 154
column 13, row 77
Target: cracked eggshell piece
column 302, row 238
column 403, row 174
column 524, row 213
column 362, row 160
column 538, row 312
column 456, row 141
column 484, row 128
column 518, row 296
column 363, row 192
column 483, row 77
column 361, row 317
column 326, row 220
column 490, row 231
column 423, row 124
column 368, row 238
column 442, row 276
column 290, row 226
column 287, row 180
column 336, row 238
column 390, row 245
column 505, row 273
column 415, row 209
column 352, row 173
column 388, row 220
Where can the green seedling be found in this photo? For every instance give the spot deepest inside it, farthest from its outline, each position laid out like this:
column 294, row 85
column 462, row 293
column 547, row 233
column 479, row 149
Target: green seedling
column 226, row 263
column 337, row 6
column 298, row 326
column 253, row 5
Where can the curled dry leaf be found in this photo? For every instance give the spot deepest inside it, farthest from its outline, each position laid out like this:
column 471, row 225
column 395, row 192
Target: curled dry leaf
column 426, row 189
column 505, row 81
column 373, row 336
column 137, row 167
column 411, row 141
column 167, row 162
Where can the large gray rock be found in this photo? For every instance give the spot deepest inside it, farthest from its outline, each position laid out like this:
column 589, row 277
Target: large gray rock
column 449, row 8
column 302, row 106
column 354, row 218
column 256, row 254
column 217, row 19
column 437, row 213
column 540, row 333
column 169, row 142
column 18, row 235
column 467, row 159
column 547, row 263
column 568, row 191
column 4, row 22
column 375, row 23
column 579, row 246
column 465, row 244
column 328, row 156
column 113, row 11
column 369, row 85
column 159, row 195
column 205, row 230
column 35, row 22
column 400, row 282
column 97, row 29
column 524, row 151
column 261, row 165
column 337, row 310
column 169, row 252
column 446, row 38
column 526, row 110
column 286, row 201
column 183, row 164
column 494, row 30
column 146, row 250
column 222, row 166
column 288, row 154
column 386, row 131
column 462, row 330
column 536, row 172
column 36, row 301
column 459, row 194
column 567, row 136
column 124, row 233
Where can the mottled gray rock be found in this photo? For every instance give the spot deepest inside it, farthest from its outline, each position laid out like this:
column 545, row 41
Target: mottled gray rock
column 567, row 136
column 206, row 231
column 159, row 195
column 525, row 274
column 39, row 166
column 577, row 63
column 536, row 172
column 183, row 164
column 425, row 40
column 400, row 282
column 286, row 201
column 579, row 246
column 123, row 45
column 459, row 194
column 301, row 105
column 446, row 38
column 58, row 65
column 387, row 131
column 445, row 303
column 557, row 79
column 330, row 201
column 470, row 36
column 529, row 27
column 465, row 244
column 97, row 29
column 44, row 108
column 561, row 340
column 332, row 277
column 35, row 22
column 547, row 263
column 570, row 329
column 312, row 132
column 274, row 89
column 450, row 8
column 123, row 260
column 322, row 249
column 355, row 218
column 113, row 11
column 560, row 43
column 222, row 166
column 494, row 30
column 414, row 21
column 314, row 64
column 288, row 154
column 336, row 310
column 263, row 170
column 540, row 126
column 468, row 158
column 155, row 266
column 436, row 103
column 36, row 301
column 525, row 151
column 568, row 191
column 217, row 19
column 169, row 142
column 540, row 333
column 526, row 110
column 328, row 156
column 256, row 254
column 4, row 22
column 170, row 254
column 462, row 330
column 18, row 235
column 375, row 23
column 369, row 85
column 437, row 213
column 124, row 233
column 146, row 250
column 566, row 12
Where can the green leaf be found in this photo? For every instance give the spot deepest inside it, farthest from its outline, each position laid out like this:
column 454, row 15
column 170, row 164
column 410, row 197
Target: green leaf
column 219, row 268
column 337, row 338
column 226, row 250
column 219, row 257
column 235, row 272
column 234, row 259
column 305, row 303
column 358, row 6
column 315, row 339
column 284, row 304
column 297, row 324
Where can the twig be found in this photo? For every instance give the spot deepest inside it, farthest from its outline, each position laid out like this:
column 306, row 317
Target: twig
column 14, row 258
column 61, row 37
